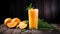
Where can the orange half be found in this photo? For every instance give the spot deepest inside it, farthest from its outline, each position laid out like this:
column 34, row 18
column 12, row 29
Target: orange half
column 7, row 20
column 12, row 24
column 16, row 20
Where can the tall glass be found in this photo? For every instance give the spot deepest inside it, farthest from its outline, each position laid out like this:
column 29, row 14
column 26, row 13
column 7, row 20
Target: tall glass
column 33, row 18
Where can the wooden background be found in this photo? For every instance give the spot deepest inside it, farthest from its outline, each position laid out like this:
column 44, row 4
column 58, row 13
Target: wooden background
column 49, row 10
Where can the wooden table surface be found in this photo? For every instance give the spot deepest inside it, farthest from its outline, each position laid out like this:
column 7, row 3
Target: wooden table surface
column 6, row 30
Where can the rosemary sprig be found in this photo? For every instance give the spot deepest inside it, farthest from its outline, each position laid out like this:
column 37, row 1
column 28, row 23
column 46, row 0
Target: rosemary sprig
column 29, row 7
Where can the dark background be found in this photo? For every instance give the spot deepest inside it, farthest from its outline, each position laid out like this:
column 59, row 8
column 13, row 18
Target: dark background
column 49, row 10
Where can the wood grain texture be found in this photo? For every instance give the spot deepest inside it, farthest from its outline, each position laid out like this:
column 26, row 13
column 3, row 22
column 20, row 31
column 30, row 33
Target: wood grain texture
column 9, row 31
column 3, row 28
column 6, row 30
column 16, row 31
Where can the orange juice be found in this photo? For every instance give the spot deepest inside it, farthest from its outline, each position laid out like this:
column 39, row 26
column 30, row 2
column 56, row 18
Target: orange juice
column 33, row 18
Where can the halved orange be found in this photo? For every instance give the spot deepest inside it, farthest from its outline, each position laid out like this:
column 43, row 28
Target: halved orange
column 12, row 24
column 7, row 20
column 16, row 20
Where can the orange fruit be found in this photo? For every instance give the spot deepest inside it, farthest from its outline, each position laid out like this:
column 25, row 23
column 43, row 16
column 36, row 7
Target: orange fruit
column 24, row 21
column 7, row 20
column 22, row 25
column 16, row 20
column 12, row 24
